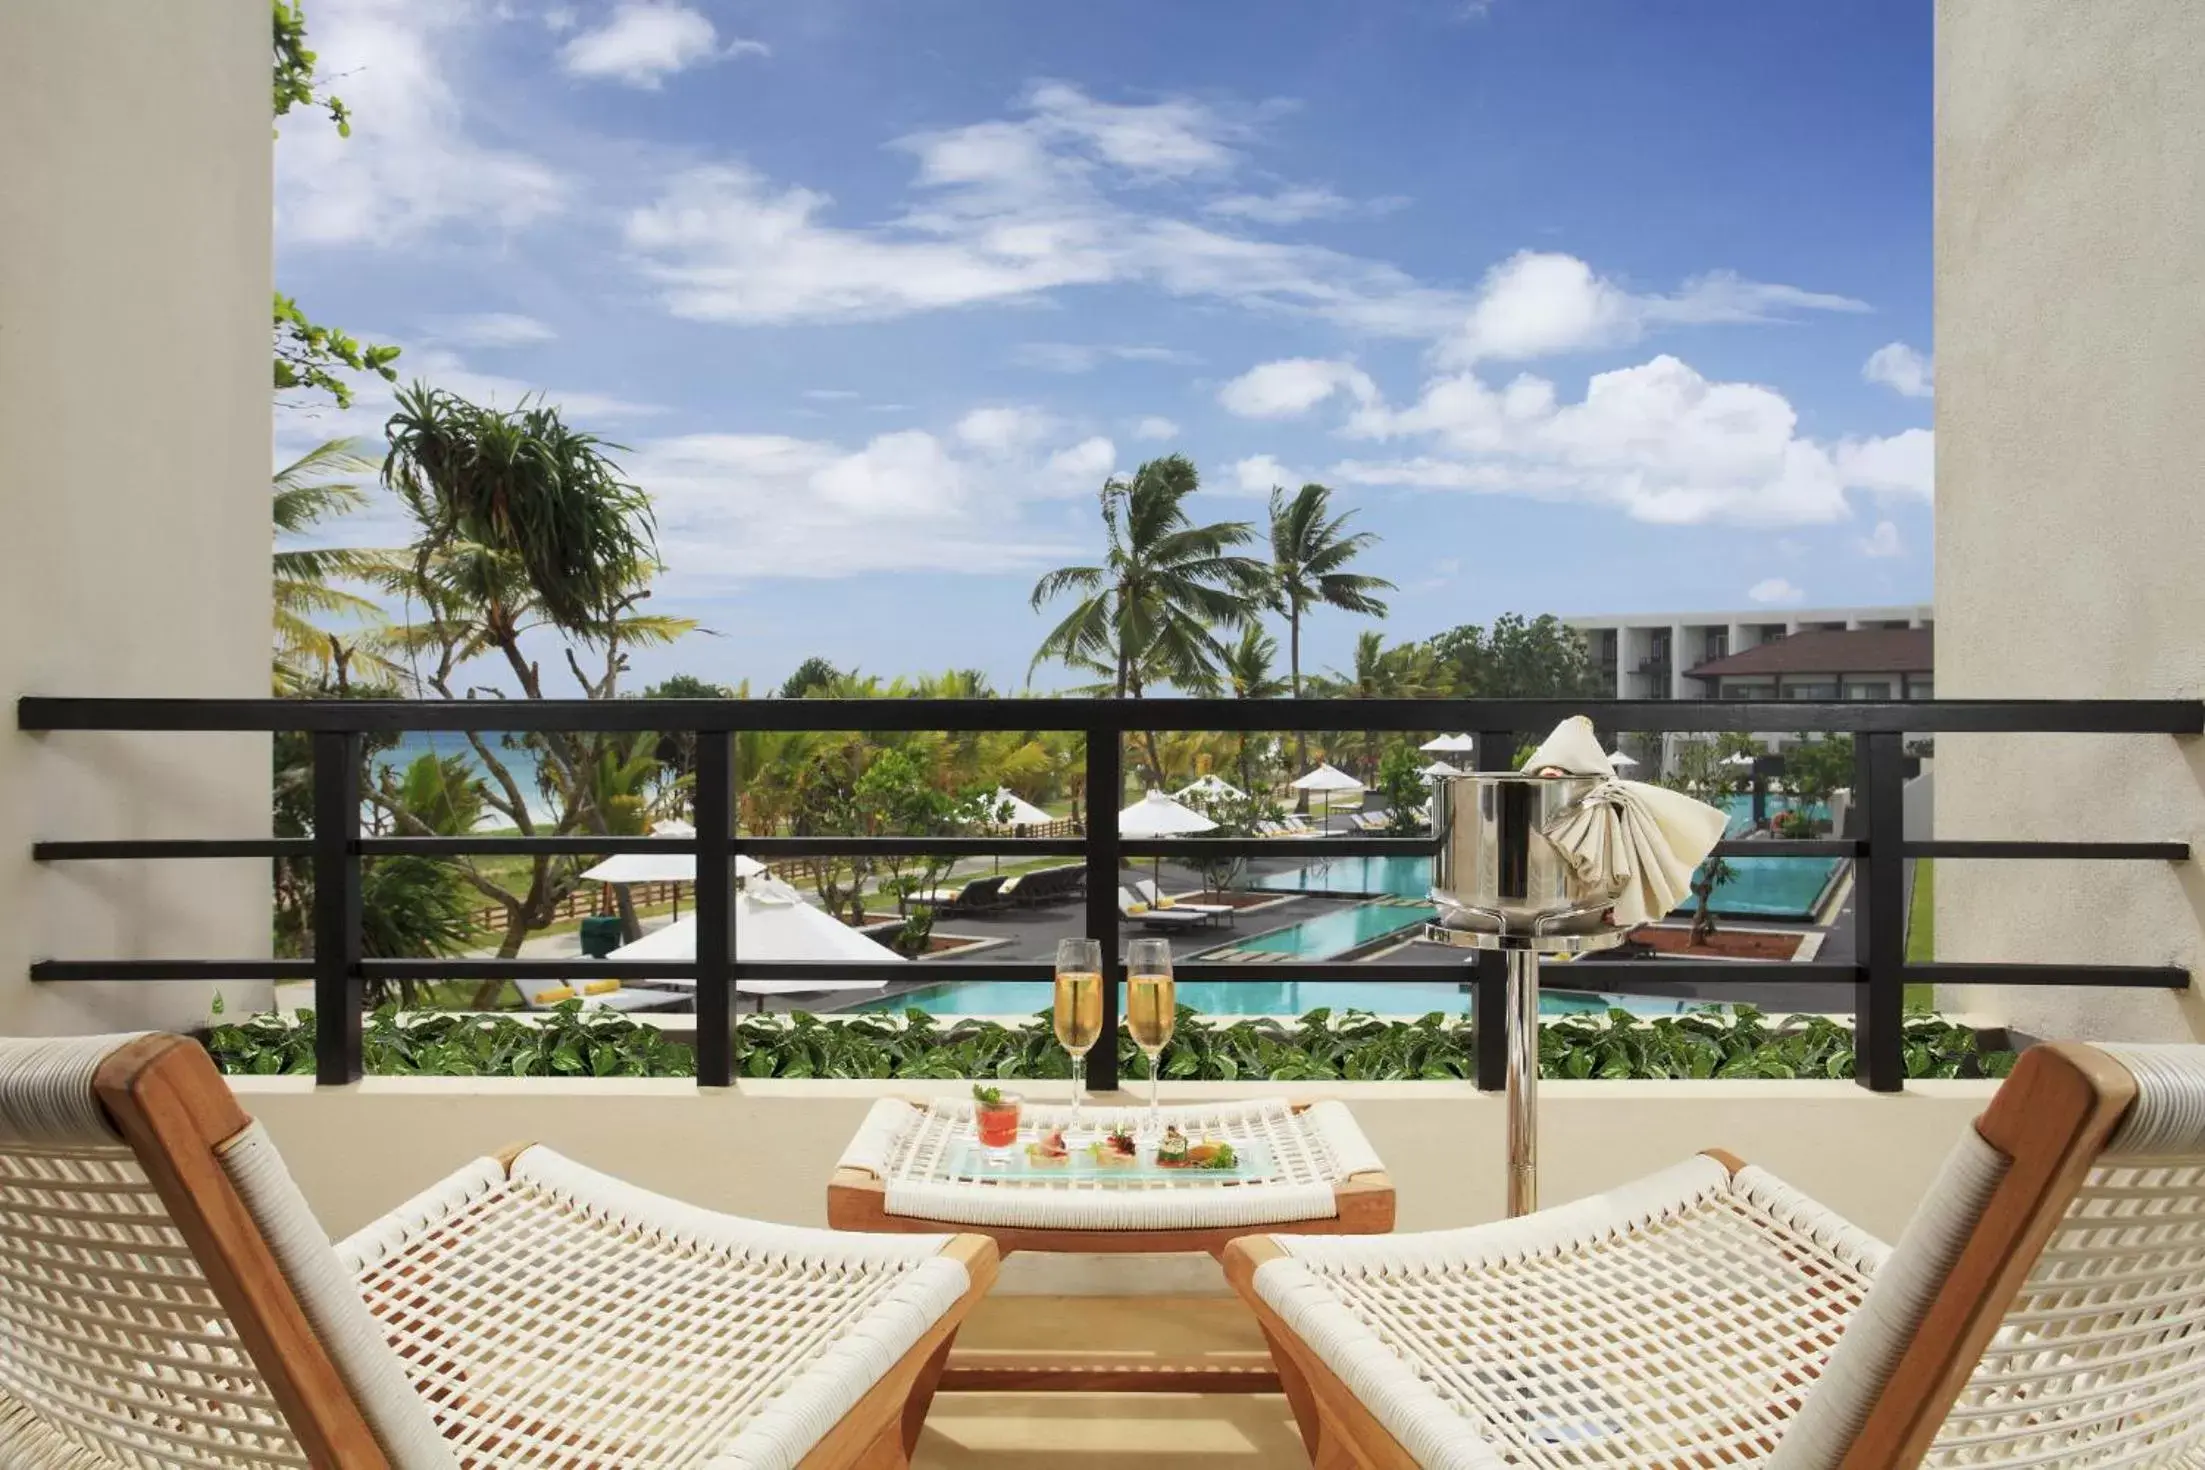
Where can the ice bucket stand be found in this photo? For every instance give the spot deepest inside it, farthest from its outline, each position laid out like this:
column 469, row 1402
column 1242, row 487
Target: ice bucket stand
column 1524, row 952
column 1501, row 884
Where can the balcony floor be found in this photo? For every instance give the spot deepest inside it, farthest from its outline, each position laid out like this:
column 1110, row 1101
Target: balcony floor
column 1089, row 1431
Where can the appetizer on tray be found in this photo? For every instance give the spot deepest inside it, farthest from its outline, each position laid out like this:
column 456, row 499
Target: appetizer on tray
column 1116, row 1149
column 1048, row 1151
column 1175, row 1152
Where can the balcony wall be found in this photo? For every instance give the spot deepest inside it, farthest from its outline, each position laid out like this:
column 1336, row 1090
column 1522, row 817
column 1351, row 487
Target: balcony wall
column 134, row 428
column 766, row 1148
column 2070, row 359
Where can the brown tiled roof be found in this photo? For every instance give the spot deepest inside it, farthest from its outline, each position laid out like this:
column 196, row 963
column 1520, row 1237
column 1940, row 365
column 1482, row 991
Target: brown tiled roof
column 1856, row 651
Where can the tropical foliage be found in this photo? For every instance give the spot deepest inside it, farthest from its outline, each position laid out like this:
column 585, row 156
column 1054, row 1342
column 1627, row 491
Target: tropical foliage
column 1321, row 1046
column 308, row 354
column 1310, row 551
column 315, row 487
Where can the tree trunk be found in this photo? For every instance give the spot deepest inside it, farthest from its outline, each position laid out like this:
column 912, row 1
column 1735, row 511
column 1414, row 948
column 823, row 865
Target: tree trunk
column 1294, row 672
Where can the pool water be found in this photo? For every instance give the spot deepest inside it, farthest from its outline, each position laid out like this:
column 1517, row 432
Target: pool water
column 1257, row 998
column 1338, row 932
column 1773, row 888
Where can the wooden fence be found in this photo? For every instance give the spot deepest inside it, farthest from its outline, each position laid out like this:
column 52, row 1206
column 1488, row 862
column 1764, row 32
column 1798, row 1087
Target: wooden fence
column 596, row 898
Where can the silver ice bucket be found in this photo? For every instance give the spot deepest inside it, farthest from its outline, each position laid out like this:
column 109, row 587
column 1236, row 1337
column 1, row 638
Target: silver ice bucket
column 1497, row 871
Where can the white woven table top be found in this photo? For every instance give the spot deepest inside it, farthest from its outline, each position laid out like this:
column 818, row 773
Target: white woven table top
column 916, row 1152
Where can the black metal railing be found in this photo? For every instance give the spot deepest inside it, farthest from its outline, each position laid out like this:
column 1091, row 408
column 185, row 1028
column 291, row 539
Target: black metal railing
column 1878, row 973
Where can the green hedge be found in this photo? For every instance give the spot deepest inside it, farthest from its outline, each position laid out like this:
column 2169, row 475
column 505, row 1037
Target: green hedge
column 1321, row 1046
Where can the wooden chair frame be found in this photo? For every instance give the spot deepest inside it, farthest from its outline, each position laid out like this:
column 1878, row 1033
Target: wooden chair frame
column 178, row 1116
column 2051, row 1120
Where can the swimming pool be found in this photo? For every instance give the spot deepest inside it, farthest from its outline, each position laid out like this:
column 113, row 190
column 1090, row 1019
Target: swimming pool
column 1346, row 928
column 1258, row 998
column 1771, row 888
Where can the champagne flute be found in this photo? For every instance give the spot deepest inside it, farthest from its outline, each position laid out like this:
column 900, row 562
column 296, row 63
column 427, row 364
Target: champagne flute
column 1077, row 1011
column 1151, row 1009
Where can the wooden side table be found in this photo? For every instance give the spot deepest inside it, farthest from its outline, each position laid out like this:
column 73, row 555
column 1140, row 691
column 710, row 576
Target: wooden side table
column 907, row 1171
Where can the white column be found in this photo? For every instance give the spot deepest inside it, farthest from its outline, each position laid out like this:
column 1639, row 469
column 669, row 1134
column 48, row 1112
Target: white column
column 134, row 456
column 2070, row 347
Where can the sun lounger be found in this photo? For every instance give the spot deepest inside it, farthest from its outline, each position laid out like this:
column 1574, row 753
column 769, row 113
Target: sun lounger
column 980, row 893
column 173, row 1301
column 2041, row 1310
column 602, row 992
column 1139, row 911
column 1147, row 891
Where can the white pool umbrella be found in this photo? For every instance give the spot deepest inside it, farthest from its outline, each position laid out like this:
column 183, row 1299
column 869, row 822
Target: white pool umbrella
column 672, row 827
column 661, row 867
column 1740, row 760
column 1157, row 815
column 1619, row 760
column 1438, row 769
column 1449, row 745
column 1210, row 785
column 1008, row 809
column 1327, row 778
column 772, row 922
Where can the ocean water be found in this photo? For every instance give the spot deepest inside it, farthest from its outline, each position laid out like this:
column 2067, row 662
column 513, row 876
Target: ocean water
column 445, row 744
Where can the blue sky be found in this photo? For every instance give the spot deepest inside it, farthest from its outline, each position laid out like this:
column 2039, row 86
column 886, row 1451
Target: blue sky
column 1588, row 305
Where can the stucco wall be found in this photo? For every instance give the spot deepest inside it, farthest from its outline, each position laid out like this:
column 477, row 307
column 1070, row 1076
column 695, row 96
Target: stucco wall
column 2071, row 481
column 134, row 427
column 765, row 1149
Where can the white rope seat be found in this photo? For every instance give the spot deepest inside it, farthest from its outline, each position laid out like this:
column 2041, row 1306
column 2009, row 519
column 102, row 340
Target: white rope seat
column 1708, row 1317
column 1681, row 1311
column 113, row 1349
column 168, row 1302
column 553, row 1316
column 919, row 1155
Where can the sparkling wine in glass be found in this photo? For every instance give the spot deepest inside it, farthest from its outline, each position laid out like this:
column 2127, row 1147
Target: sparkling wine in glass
column 1151, row 1008
column 1077, row 1011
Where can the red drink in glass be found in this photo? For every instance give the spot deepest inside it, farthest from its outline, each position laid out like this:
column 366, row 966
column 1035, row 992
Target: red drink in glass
column 997, row 1122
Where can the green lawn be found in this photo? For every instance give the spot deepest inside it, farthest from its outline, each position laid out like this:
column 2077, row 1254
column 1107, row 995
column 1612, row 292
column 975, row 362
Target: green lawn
column 1921, row 931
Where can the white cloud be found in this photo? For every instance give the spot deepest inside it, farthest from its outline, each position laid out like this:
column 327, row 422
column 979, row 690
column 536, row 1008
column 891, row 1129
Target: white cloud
column 414, row 162
column 1155, row 426
column 1901, row 369
column 491, row 329
column 1060, row 196
column 830, row 395
column 1289, row 206
column 1080, row 357
column 1658, row 441
column 1081, row 468
column 737, row 507
column 1775, row 592
column 1258, row 473
column 561, row 18
column 1292, row 386
column 1535, row 304
column 645, row 41
column 1883, row 541
column 1904, row 464
column 1004, row 430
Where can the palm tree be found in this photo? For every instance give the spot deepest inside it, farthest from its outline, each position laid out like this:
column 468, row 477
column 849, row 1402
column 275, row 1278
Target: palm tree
column 1309, row 548
column 1145, row 616
column 306, row 492
column 1404, row 671
column 1249, row 672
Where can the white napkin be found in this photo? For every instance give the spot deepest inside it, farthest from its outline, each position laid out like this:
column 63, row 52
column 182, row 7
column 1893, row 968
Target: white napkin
column 1647, row 838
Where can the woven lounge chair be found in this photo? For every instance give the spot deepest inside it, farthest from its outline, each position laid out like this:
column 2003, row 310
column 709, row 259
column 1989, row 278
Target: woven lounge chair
column 1135, row 910
column 2045, row 1308
column 1147, row 891
column 169, row 1301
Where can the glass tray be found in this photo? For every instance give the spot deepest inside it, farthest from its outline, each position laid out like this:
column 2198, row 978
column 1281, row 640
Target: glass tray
column 966, row 1159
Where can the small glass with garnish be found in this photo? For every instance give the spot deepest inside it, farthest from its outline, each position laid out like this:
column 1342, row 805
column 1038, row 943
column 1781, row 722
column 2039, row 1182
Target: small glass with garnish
column 995, row 1119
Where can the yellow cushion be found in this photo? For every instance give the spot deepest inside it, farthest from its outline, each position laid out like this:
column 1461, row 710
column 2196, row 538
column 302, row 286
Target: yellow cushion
column 1167, row 903
column 554, row 995
column 1137, row 908
column 600, row 987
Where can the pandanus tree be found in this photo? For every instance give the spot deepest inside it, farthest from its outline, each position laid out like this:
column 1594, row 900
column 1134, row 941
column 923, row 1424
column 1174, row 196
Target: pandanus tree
column 1147, row 614
column 1310, row 550
column 524, row 529
column 519, row 483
